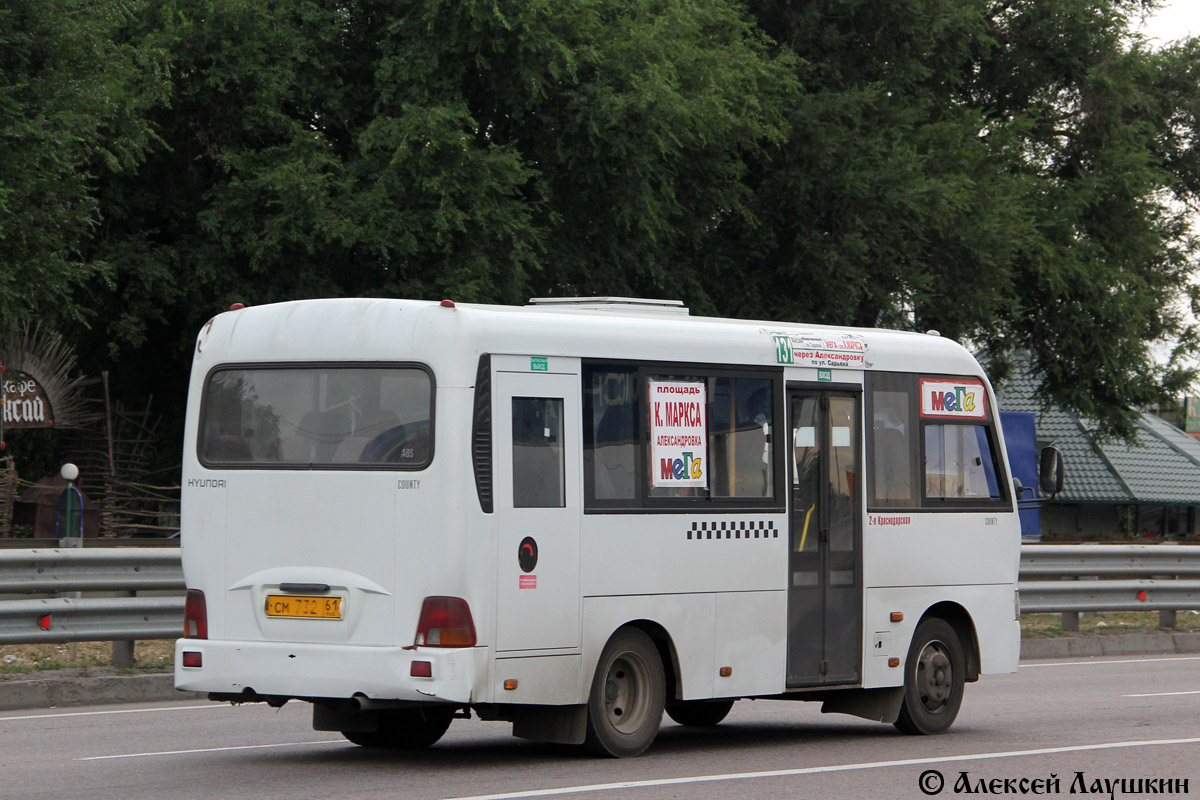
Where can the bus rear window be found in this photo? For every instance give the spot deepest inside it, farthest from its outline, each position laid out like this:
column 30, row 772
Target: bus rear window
column 336, row 416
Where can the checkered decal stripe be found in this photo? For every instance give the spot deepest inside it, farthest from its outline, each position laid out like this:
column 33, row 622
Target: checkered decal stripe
column 753, row 529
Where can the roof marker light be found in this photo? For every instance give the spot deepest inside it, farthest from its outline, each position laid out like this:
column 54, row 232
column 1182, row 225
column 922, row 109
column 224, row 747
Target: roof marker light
column 447, row 304
column 236, row 306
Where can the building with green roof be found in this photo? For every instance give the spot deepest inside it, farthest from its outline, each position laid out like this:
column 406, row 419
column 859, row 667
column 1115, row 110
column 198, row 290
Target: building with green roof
column 1146, row 488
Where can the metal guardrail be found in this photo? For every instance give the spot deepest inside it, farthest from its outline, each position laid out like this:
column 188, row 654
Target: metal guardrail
column 98, row 619
column 1066, row 579
column 1073, row 578
column 88, row 570
column 72, row 618
column 1109, row 560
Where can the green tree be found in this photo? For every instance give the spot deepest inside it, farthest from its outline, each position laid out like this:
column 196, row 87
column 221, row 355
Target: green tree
column 73, row 101
column 998, row 171
column 480, row 150
column 1001, row 171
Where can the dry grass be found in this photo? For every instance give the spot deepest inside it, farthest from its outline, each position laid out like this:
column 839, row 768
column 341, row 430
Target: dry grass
column 19, row 658
column 1046, row 626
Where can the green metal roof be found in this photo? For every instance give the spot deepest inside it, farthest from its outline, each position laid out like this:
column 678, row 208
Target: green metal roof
column 1162, row 465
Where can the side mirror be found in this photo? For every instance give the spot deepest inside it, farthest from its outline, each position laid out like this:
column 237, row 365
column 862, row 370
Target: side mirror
column 1050, row 476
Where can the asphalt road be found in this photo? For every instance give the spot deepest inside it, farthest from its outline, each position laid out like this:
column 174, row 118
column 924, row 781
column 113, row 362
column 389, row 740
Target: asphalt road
column 1107, row 719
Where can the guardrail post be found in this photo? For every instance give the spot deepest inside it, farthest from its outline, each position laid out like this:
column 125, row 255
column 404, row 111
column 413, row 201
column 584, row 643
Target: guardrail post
column 122, row 655
column 1070, row 619
column 122, row 651
column 1166, row 617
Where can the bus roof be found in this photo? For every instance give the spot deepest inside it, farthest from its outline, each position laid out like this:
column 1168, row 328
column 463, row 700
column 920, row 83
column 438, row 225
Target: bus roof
column 454, row 335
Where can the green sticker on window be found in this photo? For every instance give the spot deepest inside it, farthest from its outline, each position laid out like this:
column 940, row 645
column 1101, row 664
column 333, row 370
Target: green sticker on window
column 825, row 375
column 539, row 364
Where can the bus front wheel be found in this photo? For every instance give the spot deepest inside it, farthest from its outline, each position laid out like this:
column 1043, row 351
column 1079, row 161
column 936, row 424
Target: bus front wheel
column 625, row 706
column 933, row 679
column 410, row 729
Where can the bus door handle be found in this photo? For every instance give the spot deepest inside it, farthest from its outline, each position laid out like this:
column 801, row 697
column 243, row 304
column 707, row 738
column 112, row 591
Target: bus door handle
column 823, row 535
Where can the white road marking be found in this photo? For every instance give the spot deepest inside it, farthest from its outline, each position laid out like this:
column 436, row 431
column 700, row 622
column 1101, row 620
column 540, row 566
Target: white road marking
column 111, row 711
column 1160, row 694
column 783, row 773
column 209, row 750
column 1120, row 661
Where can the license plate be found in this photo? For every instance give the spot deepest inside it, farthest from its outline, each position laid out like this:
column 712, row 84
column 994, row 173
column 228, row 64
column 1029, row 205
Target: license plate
column 292, row 605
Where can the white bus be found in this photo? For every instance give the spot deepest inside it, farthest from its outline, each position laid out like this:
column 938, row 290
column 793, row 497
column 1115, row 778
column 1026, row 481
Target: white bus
column 577, row 514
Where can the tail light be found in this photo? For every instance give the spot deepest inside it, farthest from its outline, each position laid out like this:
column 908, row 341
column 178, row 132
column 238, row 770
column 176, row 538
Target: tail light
column 445, row 622
column 195, row 616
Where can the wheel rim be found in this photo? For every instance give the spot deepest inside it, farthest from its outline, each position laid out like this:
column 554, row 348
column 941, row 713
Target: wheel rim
column 935, row 677
column 626, row 693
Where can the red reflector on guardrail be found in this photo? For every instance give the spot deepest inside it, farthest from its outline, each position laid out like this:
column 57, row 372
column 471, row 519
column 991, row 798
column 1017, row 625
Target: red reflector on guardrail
column 44, row 622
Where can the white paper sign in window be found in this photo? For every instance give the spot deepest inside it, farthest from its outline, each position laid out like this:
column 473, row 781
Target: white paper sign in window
column 951, row 399
column 678, row 435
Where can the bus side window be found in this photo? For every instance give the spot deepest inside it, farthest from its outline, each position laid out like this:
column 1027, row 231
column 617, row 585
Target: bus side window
column 539, row 462
column 613, row 451
column 959, row 463
column 890, row 472
column 741, row 413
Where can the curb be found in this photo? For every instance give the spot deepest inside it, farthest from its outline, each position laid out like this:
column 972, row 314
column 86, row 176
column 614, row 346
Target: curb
column 58, row 691
column 1122, row 644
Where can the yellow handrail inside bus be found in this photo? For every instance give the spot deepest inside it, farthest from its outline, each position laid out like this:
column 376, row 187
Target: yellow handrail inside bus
column 804, row 533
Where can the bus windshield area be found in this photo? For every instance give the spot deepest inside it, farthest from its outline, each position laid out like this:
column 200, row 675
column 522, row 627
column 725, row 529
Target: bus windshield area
column 347, row 416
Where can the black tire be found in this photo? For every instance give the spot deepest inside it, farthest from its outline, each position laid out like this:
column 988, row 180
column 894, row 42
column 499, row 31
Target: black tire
column 934, row 675
column 625, row 706
column 410, row 729
column 699, row 713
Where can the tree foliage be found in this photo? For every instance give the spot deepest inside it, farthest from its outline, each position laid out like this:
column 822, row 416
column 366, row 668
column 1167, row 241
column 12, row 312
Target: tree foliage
column 1005, row 171
column 73, row 99
column 484, row 151
column 1014, row 174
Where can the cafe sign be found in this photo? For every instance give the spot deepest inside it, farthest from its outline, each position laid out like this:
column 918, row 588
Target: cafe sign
column 25, row 401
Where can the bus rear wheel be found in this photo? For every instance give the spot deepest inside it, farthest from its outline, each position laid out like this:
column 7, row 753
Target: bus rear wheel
column 699, row 713
column 625, row 706
column 410, row 729
column 933, row 679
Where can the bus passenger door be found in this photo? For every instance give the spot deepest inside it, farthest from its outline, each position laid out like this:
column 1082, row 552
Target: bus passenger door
column 825, row 588
column 536, row 419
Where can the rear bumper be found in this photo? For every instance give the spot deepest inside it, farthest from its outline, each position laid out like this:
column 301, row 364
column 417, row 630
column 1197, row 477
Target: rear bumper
column 323, row 670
